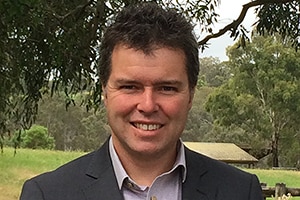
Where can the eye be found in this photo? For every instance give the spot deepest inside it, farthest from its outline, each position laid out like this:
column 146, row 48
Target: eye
column 128, row 87
column 168, row 89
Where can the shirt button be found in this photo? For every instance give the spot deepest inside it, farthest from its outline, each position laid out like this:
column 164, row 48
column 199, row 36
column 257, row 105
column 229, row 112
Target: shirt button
column 130, row 185
column 153, row 198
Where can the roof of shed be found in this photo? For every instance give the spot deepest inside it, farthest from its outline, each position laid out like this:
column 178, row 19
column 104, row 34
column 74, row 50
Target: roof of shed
column 227, row 152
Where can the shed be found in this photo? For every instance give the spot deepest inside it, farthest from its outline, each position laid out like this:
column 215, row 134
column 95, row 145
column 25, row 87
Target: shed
column 226, row 152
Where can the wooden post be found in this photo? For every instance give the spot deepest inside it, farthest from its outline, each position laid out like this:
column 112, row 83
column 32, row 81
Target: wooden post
column 263, row 186
column 294, row 191
column 280, row 190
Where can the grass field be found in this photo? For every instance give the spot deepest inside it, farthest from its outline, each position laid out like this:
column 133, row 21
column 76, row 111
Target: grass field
column 271, row 177
column 14, row 170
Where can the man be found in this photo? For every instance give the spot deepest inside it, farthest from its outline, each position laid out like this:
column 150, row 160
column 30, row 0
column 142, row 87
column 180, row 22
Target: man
column 148, row 69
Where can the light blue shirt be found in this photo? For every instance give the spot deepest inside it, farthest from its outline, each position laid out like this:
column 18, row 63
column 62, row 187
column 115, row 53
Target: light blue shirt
column 165, row 187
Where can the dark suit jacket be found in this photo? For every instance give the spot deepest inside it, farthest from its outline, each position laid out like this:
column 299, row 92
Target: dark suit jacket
column 92, row 177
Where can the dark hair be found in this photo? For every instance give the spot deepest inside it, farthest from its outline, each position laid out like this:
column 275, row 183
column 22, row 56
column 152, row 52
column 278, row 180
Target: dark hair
column 145, row 27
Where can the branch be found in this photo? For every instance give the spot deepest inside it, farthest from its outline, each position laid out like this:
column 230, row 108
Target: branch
column 234, row 25
column 78, row 10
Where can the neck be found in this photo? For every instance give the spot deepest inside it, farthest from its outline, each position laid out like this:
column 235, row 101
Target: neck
column 143, row 169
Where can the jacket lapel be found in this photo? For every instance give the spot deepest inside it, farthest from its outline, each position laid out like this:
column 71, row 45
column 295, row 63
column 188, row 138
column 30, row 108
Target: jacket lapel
column 197, row 184
column 103, row 184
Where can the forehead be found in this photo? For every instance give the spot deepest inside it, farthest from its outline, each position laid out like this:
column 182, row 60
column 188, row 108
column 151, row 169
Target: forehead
column 161, row 63
column 148, row 49
column 150, row 52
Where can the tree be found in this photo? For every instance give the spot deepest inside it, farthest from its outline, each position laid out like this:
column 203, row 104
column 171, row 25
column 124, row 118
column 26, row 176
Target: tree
column 37, row 138
column 74, row 128
column 263, row 95
column 54, row 40
column 199, row 125
column 199, row 121
column 213, row 72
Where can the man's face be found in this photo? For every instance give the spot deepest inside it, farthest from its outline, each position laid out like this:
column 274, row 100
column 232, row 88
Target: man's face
column 147, row 98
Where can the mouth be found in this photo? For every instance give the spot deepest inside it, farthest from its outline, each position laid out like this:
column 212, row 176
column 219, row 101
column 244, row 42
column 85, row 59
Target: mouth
column 147, row 127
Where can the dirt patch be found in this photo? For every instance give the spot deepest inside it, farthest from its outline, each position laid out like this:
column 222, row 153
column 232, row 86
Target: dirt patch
column 12, row 189
column 24, row 174
column 9, row 193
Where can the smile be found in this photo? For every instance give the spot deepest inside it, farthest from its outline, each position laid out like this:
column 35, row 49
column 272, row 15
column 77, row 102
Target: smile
column 147, row 127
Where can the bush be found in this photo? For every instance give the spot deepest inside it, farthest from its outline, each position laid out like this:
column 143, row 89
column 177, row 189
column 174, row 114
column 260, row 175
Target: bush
column 37, row 138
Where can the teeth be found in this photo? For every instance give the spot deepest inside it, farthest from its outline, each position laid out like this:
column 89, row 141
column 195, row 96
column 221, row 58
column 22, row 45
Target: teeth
column 147, row 127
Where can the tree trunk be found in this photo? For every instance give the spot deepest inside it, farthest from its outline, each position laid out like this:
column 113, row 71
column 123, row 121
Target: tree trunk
column 275, row 139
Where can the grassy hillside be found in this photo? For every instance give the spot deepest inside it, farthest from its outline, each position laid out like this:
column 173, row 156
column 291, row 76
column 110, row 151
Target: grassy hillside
column 14, row 170
column 271, row 177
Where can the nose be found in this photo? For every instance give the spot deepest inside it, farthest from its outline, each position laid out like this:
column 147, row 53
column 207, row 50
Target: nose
column 147, row 102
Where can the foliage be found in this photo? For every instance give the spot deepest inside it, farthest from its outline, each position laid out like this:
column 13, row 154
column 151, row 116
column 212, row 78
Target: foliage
column 37, row 138
column 289, row 151
column 50, row 46
column 200, row 125
column 199, row 121
column 73, row 129
column 262, row 97
column 285, row 21
column 213, row 72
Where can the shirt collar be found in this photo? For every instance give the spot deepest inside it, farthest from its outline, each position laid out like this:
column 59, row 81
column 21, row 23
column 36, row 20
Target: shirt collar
column 121, row 174
column 117, row 165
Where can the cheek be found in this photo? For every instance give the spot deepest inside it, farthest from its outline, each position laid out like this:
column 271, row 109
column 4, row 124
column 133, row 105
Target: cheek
column 119, row 105
column 177, row 108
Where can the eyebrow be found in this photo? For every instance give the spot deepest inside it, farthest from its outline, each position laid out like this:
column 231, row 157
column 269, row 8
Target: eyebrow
column 155, row 82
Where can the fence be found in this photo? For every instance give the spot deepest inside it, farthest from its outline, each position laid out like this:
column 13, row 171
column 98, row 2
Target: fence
column 279, row 190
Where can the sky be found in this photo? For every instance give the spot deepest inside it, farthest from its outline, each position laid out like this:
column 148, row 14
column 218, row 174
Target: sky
column 228, row 10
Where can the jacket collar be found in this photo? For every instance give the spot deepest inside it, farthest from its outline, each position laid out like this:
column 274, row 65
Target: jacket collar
column 105, row 187
column 197, row 183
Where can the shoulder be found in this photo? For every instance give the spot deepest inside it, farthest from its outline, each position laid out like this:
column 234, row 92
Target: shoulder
column 89, row 175
column 62, row 182
column 67, row 172
column 215, row 169
column 76, row 173
column 218, row 180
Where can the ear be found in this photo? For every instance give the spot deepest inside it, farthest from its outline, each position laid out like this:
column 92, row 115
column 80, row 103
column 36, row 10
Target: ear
column 104, row 95
column 192, row 93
